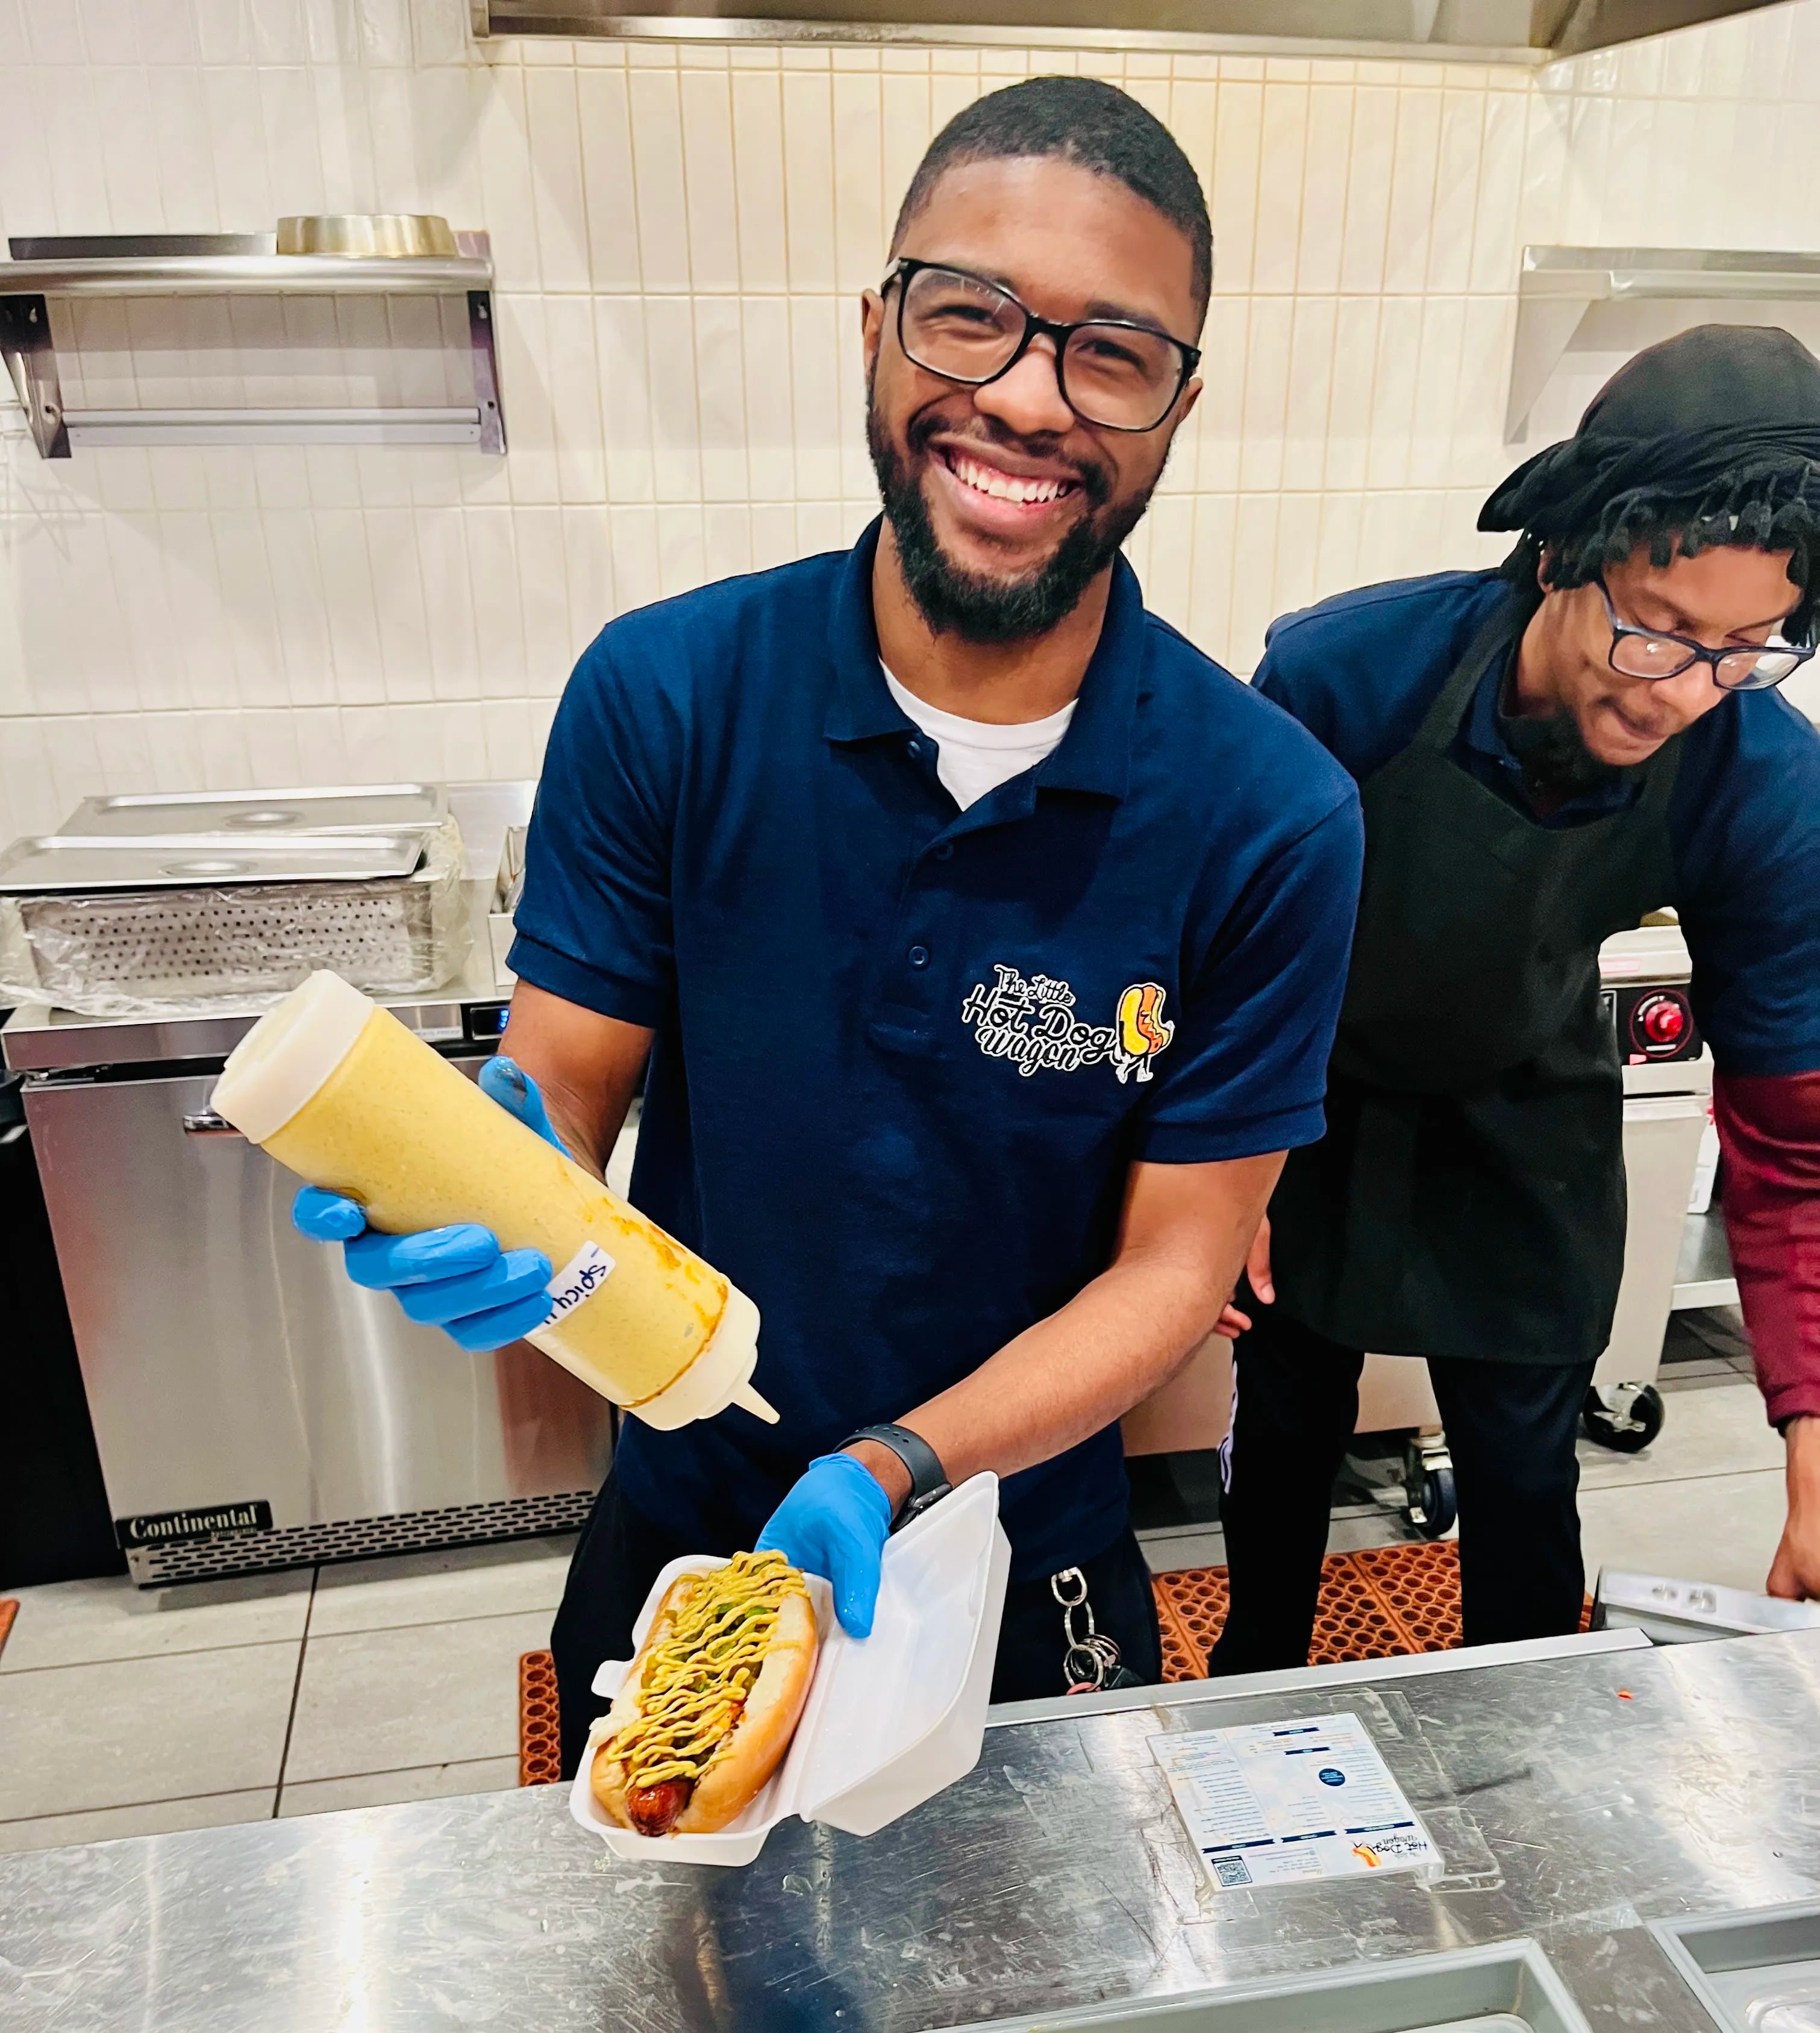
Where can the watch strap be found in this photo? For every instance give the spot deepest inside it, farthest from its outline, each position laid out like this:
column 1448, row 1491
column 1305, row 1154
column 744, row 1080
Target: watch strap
column 928, row 1479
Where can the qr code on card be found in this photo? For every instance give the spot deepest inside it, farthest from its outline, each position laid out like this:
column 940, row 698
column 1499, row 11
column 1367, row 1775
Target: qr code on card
column 1229, row 1870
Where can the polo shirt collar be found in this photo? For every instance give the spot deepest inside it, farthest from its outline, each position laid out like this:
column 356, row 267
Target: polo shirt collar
column 1483, row 734
column 1094, row 756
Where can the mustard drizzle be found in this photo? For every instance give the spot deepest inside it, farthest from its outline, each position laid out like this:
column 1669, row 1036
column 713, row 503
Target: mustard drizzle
column 695, row 1682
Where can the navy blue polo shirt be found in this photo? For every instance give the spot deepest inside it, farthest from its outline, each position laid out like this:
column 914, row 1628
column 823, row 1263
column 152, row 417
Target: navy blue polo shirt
column 890, row 1093
column 1361, row 671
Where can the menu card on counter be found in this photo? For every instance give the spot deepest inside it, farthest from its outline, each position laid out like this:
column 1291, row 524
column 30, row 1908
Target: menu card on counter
column 1281, row 1802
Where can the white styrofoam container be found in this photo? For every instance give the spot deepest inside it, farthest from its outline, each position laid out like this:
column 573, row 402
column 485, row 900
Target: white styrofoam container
column 891, row 1719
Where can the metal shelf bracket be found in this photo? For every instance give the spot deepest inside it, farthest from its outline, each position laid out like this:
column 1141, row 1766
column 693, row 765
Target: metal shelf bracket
column 234, row 265
column 32, row 360
column 1558, row 285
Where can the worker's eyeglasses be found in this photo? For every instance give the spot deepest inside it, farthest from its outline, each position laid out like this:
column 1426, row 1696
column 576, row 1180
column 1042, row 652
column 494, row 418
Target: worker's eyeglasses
column 1640, row 653
column 1119, row 375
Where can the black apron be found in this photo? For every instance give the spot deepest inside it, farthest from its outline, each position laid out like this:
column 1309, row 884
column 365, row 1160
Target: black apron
column 1468, row 1199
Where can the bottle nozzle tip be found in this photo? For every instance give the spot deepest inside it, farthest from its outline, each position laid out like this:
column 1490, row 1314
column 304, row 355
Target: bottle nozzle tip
column 748, row 1400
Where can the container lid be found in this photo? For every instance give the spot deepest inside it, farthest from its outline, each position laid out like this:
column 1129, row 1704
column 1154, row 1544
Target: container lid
column 877, row 1705
column 61, row 863
column 329, row 808
column 278, row 1067
column 890, row 1720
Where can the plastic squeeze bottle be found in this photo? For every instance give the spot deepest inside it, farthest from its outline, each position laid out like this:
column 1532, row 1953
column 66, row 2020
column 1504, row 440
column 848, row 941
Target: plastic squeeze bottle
column 336, row 1088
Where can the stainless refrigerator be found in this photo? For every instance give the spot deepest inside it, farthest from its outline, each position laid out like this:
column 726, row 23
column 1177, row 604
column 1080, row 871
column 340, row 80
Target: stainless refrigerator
column 252, row 1408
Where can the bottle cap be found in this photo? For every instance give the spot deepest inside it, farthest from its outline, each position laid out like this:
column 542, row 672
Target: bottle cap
column 282, row 1063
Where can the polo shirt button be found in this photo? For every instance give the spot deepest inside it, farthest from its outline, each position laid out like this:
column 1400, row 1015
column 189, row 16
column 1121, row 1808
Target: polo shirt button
column 944, row 850
column 918, row 956
column 914, row 750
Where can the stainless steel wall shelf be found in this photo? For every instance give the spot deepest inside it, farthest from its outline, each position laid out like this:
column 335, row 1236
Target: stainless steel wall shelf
column 1558, row 285
column 1520, row 31
column 236, row 264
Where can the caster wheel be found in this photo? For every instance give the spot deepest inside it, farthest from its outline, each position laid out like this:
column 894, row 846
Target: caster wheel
column 1625, row 1417
column 1429, row 1502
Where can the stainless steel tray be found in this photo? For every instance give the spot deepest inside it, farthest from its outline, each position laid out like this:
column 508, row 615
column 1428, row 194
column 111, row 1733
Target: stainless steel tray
column 62, row 864
column 1754, row 1972
column 1509, row 1987
column 330, row 808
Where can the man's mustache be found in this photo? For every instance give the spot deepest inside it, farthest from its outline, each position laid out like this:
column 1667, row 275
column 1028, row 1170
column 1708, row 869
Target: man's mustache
column 1094, row 481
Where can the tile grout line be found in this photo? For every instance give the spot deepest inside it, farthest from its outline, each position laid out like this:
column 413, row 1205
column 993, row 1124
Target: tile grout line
column 141, row 1658
column 127, row 1807
column 296, row 1688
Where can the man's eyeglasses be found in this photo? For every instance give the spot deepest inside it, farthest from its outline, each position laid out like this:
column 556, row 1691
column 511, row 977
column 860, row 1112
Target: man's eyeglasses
column 1120, row 375
column 1640, row 652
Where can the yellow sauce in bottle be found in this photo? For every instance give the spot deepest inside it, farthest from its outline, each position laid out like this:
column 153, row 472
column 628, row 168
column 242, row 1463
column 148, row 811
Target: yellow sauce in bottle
column 397, row 1128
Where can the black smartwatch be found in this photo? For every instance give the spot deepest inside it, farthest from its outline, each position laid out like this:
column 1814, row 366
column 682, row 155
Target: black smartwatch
column 929, row 1479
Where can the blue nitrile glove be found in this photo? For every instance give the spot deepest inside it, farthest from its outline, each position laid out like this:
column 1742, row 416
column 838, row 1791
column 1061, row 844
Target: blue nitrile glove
column 456, row 1278
column 835, row 1521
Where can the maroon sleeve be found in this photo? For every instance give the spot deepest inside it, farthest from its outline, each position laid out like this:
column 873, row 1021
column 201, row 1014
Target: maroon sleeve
column 1770, row 1131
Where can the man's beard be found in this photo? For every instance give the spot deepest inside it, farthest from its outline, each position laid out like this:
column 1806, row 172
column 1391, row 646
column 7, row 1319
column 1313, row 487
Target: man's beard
column 969, row 604
column 1553, row 756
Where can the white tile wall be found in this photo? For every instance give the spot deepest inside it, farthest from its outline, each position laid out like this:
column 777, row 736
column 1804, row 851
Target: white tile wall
column 681, row 233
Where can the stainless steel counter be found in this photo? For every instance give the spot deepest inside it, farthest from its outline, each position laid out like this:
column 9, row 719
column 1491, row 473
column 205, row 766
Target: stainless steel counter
column 1573, row 1798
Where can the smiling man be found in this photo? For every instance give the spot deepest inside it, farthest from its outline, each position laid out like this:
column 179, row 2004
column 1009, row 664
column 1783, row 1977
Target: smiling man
column 985, row 939
column 1546, row 753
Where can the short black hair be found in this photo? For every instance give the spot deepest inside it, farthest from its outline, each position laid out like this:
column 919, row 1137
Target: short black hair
column 1081, row 120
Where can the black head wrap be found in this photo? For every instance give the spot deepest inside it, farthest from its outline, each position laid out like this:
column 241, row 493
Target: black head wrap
column 1711, row 437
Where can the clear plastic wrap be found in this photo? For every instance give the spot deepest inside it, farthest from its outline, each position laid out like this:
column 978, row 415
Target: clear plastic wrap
column 192, row 951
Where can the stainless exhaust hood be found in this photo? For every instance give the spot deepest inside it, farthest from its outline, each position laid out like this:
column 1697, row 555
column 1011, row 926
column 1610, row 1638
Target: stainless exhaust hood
column 1515, row 31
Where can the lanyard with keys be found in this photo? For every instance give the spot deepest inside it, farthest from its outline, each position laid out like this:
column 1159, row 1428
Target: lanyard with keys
column 1089, row 1659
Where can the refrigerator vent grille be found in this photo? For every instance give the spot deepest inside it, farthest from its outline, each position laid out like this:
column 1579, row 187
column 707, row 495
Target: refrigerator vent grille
column 358, row 1538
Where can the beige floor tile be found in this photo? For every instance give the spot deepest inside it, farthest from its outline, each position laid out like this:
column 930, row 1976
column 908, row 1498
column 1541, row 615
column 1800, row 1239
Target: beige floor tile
column 438, row 1588
column 382, row 1789
column 423, row 1693
column 153, row 1817
column 1722, row 1528
column 123, row 1732
column 1183, row 1546
column 73, row 1623
column 1717, row 1430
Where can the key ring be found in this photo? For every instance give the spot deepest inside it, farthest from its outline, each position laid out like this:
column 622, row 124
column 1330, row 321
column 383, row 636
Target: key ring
column 1072, row 1574
column 1088, row 1655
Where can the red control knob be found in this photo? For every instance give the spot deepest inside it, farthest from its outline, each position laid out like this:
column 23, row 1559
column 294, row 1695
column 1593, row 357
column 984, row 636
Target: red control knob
column 1664, row 1023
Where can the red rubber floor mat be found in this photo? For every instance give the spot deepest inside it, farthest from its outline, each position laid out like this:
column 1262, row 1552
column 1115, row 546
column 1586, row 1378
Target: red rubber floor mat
column 540, row 1740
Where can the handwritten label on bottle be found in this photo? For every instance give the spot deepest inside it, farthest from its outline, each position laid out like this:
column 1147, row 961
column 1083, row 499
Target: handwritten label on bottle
column 582, row 1276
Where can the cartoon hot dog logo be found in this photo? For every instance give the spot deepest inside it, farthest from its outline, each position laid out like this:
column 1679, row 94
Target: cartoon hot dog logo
column 1031, row 1020
column 1142, row 1033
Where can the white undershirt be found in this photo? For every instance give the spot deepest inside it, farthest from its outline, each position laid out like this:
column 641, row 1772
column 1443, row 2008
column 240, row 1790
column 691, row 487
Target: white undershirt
column 974, row 756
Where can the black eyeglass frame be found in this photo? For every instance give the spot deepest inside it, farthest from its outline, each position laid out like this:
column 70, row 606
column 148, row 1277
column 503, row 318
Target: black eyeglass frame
column 1698, row 653
column 906, row 266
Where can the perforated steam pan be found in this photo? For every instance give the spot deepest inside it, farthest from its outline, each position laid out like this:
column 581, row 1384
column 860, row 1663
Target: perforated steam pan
column 384, row 911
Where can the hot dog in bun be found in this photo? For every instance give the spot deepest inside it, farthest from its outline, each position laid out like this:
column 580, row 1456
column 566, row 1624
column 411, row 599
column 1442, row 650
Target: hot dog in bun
column 712, row 1701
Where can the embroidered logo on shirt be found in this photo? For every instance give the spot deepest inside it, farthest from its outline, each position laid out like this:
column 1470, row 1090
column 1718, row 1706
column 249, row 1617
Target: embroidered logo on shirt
column 1032, row 1022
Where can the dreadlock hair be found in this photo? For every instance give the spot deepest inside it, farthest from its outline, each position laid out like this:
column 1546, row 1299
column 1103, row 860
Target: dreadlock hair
column 1711, row 437
column 1079, row 120
column 1766, row 511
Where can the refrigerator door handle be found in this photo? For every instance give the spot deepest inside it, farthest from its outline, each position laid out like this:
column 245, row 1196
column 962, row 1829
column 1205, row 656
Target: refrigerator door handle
column 205, row 1122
